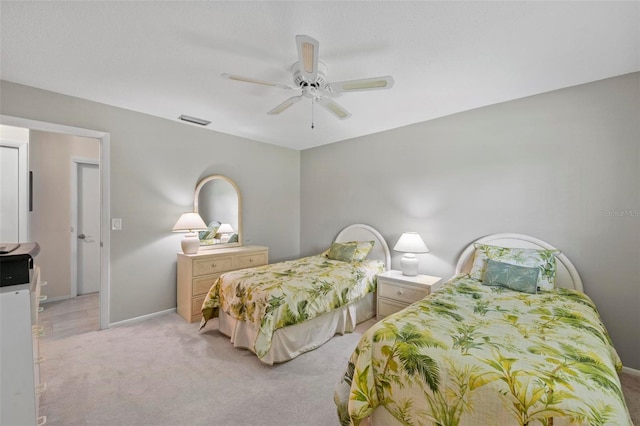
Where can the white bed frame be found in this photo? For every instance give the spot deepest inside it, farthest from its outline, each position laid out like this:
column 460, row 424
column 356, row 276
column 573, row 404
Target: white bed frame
column 566, row 275
column 289, row 342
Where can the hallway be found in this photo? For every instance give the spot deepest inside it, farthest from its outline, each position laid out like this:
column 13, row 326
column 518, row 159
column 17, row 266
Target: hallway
column 70, row 317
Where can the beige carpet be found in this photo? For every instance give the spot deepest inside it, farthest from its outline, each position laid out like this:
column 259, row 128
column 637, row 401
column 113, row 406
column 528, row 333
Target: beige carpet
column 163, row 372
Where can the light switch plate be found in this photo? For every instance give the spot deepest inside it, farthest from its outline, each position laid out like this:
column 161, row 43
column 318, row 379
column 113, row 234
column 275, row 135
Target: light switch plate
column 116, row 224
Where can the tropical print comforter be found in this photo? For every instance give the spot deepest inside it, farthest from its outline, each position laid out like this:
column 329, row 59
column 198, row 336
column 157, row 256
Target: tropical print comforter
column 280, row 294
column 471, row 354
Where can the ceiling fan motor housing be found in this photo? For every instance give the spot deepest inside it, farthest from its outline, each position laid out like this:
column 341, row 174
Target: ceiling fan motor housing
column 321, row 77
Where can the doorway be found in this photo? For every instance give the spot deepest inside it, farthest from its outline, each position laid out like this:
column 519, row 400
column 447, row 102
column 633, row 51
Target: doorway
column 104, row 235
column 14, row 184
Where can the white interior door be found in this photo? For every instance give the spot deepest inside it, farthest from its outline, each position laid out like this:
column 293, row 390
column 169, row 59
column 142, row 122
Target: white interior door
column 9, row 217
column 88, row 228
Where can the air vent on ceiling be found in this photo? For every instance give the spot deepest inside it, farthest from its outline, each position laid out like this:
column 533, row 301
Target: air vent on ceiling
column 194, row 120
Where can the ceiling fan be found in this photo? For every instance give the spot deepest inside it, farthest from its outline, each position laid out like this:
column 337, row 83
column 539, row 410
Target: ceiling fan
column 310, row 76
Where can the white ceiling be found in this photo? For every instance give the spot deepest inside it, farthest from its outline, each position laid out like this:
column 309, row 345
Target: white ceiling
column 165, row 58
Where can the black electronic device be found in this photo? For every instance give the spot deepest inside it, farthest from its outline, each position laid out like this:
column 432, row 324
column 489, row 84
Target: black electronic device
column 16, row 262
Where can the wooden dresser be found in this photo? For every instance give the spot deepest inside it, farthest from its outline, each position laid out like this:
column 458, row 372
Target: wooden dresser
column 197, row 273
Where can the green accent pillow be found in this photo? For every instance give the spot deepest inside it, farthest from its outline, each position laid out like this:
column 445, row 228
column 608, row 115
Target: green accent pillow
column 342, row 251
column 514, row 277
column 362, row 250
column 544, row 260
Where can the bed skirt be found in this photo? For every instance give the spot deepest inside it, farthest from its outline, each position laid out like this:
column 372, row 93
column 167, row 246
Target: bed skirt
column 289, row 342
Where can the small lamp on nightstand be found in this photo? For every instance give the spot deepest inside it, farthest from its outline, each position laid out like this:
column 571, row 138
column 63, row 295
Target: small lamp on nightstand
column 410, row 243
column 190, row 222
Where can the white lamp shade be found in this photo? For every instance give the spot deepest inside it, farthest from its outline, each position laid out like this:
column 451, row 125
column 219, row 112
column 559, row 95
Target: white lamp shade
column 410, row 242
column 225, row 228
column 189, row 222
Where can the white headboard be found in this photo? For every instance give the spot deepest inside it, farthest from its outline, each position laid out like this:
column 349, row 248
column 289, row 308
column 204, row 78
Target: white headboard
column 360, row 232
column 566, row 275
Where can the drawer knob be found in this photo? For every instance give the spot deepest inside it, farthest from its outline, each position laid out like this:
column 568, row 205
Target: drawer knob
column 250, row 259
column 399, row 292
column 213, row 265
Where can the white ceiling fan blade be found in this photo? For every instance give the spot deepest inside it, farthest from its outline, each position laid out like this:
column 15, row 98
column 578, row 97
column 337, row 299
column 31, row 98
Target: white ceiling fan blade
column 254, row 81
column 308, row 56
column 375, row 83
column 334, row 108
column 286, row 104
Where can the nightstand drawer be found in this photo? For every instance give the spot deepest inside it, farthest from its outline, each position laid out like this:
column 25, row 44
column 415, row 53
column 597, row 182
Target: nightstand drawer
column 203, row 284
column 400, row 293
column 251, row 260
column 211, row 266
column 388, row 307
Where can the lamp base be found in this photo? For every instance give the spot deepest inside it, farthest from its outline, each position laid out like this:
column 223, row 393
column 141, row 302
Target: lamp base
column 409, row 265
column 190, row 243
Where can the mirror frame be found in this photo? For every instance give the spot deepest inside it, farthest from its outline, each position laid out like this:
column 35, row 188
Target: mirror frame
column 199, row 186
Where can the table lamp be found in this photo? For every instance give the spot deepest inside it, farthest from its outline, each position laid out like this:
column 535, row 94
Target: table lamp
column 225, row 232
column 190, row 222
column 410, row 243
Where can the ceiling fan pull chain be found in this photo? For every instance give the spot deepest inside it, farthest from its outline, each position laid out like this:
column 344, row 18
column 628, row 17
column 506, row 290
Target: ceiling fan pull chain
column 313, row 101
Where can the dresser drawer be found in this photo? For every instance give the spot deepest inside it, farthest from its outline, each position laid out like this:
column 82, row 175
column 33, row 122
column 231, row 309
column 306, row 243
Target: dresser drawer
column 251, row 260
column 202, row 285
column 400, row 293
column 212, row 265
column 196, row 306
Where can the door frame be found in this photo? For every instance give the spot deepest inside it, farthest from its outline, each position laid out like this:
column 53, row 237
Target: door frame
column 23, row 187
column 75, row 163
column 105, row 197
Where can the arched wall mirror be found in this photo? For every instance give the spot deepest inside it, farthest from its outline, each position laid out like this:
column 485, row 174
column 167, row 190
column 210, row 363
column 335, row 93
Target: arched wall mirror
column 217, row 200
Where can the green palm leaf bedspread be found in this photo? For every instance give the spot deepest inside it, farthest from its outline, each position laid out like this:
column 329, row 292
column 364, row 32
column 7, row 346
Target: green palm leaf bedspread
column 477, row 355
column 280, row 294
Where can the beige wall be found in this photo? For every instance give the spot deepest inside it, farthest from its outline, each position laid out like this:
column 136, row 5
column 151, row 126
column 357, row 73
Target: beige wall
column 562, row 166
column 51, row 160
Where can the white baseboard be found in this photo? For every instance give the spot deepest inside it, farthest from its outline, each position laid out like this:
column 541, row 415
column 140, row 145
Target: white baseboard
column 55, row 299
column 142, row 318
column 631, row 371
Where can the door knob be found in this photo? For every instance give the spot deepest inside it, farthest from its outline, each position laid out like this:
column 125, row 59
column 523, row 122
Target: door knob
column 82, row 236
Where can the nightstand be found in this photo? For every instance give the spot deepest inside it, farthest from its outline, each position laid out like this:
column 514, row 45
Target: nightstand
column 397, row 291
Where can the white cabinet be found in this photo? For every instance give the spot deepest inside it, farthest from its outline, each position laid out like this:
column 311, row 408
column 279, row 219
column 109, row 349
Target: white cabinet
column 197, row 273
column 19, row 354
column 397, row 291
